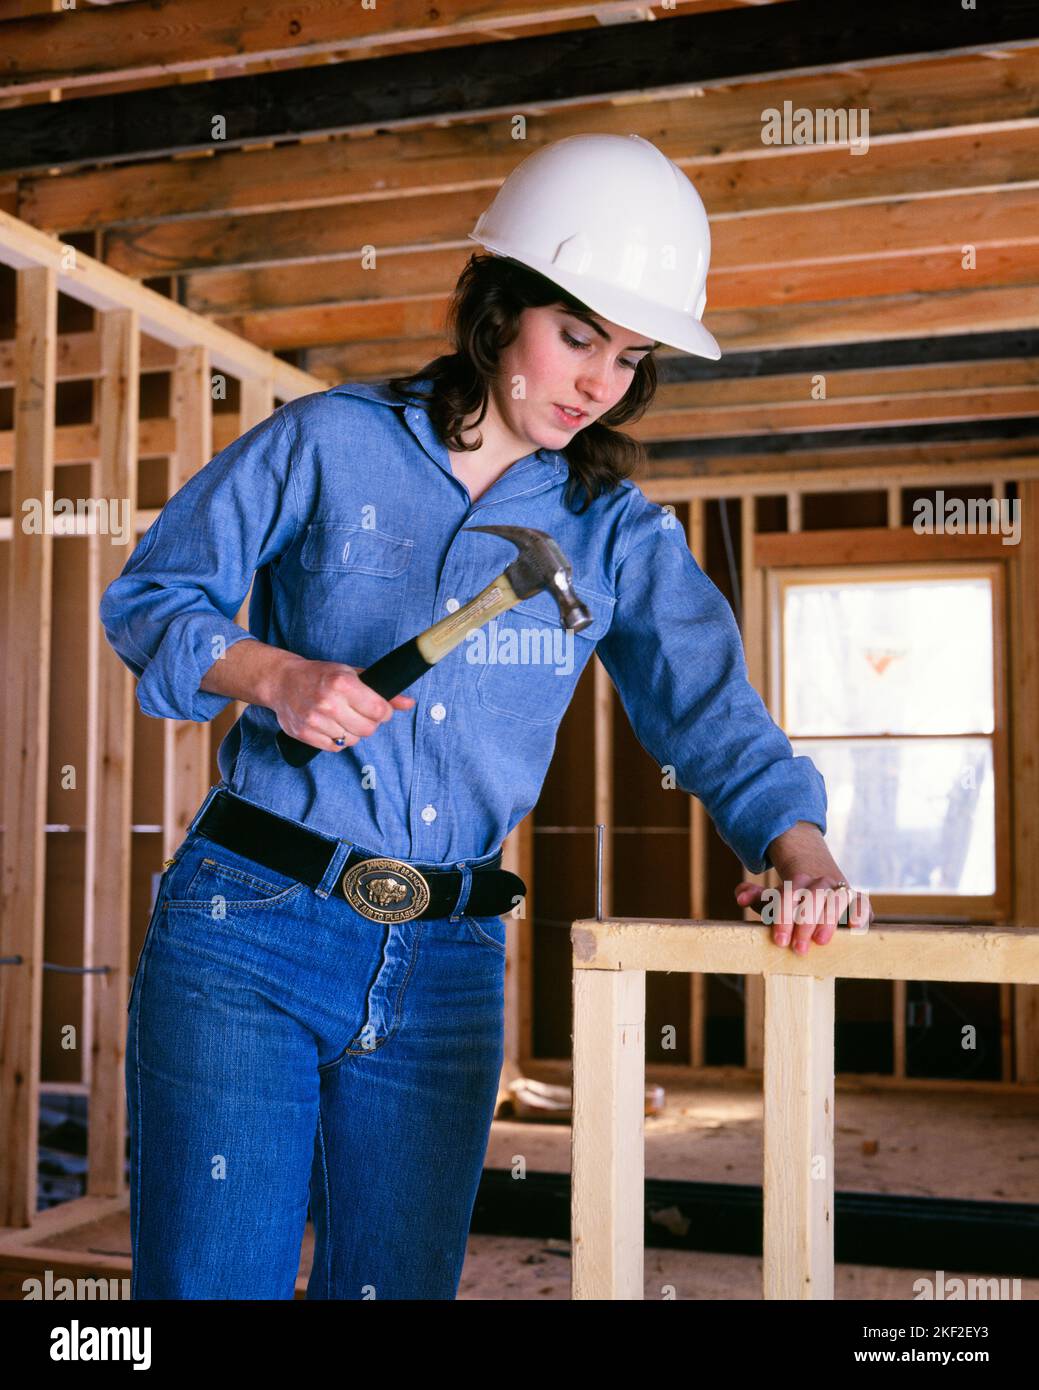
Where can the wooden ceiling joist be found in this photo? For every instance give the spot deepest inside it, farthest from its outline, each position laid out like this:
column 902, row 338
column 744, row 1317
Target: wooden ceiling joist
column 881, row 438
column 955, row 123
column 762, row 326
column 327, row 243
column 152, row 38
column 559, row 69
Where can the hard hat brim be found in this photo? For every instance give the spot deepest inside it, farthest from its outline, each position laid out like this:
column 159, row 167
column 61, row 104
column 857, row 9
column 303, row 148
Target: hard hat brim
column 668, row 326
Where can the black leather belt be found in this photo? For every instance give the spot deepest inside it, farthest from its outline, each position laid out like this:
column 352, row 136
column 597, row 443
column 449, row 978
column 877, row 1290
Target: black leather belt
column 378, row 887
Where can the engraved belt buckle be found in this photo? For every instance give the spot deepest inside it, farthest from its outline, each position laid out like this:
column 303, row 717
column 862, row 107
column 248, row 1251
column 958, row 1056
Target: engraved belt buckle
column 386, row 890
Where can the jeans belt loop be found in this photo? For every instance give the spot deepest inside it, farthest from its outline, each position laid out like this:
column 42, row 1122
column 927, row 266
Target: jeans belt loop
column 335, row 864
column 210, row 795
column 463, row 893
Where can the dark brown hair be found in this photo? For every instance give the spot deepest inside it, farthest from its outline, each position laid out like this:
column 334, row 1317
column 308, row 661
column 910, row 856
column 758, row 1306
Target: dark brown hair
column 483, row 318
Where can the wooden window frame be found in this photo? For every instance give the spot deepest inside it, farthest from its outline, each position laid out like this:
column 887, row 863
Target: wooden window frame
column 995, row 907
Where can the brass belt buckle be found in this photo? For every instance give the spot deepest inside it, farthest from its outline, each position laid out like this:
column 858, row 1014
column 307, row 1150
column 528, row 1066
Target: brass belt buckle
column 386, row 890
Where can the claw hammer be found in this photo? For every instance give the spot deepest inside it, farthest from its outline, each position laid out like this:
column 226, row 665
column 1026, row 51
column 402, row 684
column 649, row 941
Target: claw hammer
column 539, row 564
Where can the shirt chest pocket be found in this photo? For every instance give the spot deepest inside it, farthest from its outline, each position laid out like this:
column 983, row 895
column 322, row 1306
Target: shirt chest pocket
column 352, row 593
column 530, row 663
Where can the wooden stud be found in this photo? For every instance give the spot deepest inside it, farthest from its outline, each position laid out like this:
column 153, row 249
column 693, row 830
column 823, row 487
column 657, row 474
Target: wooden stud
column 256, row 403
column 110, row 769
column 752, row 583
column 603, row 790
column 26, row 743
column 698, row 887
column 1024, row 722
column 518, row 858
column 186, row 743
column 608, row 1154
column 899, row 1003
column 798, row 1137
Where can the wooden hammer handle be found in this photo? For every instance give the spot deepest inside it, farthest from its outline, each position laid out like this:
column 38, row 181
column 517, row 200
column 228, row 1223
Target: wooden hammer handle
column 403, row 666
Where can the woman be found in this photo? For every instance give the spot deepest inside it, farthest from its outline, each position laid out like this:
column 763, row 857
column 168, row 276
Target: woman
column 316, row 1014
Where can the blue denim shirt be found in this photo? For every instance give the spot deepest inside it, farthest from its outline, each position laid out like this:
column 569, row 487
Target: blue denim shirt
column 345, row 506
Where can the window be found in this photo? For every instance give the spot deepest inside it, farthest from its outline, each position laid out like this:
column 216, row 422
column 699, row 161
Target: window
column 890, row 680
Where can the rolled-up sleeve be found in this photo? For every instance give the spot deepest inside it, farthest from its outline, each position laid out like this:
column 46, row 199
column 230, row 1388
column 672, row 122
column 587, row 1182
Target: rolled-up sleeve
column 169, row 613
column 675, row 655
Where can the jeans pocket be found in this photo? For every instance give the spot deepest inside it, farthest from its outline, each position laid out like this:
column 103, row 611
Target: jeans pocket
column 213, row 879
column 488, row 931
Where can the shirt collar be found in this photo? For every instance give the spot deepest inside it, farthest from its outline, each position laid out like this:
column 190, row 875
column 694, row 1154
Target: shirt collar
column 417, row 415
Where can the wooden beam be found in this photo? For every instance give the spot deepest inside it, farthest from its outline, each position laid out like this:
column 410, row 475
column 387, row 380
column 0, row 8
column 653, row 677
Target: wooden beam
column 751, row 326
column 776, row 388
column 798, row 1127
column 375, row 360
column 186, row 743
column 603, row 698
column 1023, row 686
column 752, row 584
column 30, row 582
column 916, row 149
column 255, row 405
column 608, row 1151
column 891, row 952
column 109, row 716
column 419, row 259
column 702, row 50
column 839, row 470
column 905, row 407
column 88, row 280
column 875, row 545
column 857, row 248
column 698, row 830
column 118, row 45
column 798, row 442
column 518, row 858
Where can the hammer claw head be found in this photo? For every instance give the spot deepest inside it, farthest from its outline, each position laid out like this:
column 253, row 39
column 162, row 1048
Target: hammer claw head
column 540, row 564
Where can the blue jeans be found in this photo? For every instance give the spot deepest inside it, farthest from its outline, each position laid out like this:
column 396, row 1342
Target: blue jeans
column 282, row 1050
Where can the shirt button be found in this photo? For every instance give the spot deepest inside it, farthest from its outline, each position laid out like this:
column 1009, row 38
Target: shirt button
column 452, row 605
column 437, row 712
column 429, row 813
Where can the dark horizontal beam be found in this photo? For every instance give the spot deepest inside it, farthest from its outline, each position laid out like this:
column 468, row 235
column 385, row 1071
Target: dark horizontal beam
column 845, row 357
column 892, row 1230
column 698, row 50
column 883, row 437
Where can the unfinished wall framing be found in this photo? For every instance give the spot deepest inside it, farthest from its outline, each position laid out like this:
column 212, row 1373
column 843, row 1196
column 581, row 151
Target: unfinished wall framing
column 96, row 795
column 651, row 837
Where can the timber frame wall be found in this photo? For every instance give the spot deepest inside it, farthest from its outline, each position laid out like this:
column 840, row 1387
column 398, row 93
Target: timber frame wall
column 765, row 554
column 610, row 961
column 94, row 878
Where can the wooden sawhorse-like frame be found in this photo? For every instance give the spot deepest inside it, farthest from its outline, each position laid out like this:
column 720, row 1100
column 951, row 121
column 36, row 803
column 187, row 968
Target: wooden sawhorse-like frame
column 611, row 958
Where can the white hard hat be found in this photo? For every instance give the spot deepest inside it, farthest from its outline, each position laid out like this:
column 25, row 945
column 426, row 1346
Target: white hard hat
column 615, row 223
